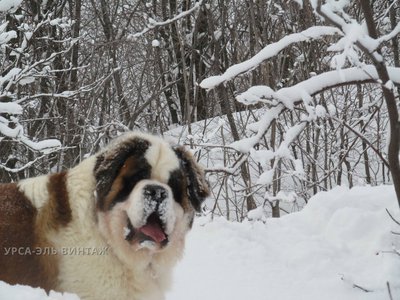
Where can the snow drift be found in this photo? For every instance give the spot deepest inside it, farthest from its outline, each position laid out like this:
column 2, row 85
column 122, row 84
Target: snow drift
column 340, row 246
column 342, row 239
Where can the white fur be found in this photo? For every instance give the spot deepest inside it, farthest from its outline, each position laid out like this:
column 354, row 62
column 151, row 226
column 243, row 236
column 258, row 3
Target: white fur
column 124, row 272
column 35, row 189
column 159, row 155
column 138, row 210
column 162, row 159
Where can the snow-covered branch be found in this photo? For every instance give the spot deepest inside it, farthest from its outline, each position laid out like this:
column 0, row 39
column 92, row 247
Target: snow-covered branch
column 153, row 23
column 6, row 36
column 289, row 96
column 232, row 170
column 27, row 75
column 10, row 108
column 17, row 133
column 269, row 51
column 25, row 166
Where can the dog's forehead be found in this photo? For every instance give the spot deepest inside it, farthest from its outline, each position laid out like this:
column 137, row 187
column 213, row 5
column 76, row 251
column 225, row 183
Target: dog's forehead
column 162, row 159
column 158, row 153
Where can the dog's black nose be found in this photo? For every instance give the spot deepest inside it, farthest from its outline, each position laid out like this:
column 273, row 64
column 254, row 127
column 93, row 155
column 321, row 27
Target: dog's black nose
column 155, row 192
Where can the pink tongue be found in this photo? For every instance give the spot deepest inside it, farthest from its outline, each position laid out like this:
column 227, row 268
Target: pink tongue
column 154, row 231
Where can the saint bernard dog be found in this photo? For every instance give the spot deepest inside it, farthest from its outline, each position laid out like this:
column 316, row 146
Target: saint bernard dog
column 113, row 227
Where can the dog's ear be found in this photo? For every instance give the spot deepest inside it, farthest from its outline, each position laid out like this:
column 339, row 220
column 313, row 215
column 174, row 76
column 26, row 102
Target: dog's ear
column 198, row 188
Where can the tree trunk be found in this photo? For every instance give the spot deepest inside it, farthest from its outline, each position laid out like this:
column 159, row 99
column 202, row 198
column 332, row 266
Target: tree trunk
column 394, row 143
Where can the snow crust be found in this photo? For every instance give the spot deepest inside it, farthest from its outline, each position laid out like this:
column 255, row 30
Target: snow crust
column 338, row 247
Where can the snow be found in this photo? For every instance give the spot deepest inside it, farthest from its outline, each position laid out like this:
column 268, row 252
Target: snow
column 263, row 156
column 246, row 144
column 340, row 239
column 17, row 131
column 6, row 5
column 289, row 96
column 10, row 76
column 337, row 247
column 155, row 43
column 256, row 94
column 20, row 292
column 320, row 111
column 153, row 23
column 45, row 146
column 11, row 108
column 6, row 36
column 269, row 51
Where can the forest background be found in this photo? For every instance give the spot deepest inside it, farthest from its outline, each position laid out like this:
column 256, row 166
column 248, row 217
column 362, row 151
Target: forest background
column 301, row 105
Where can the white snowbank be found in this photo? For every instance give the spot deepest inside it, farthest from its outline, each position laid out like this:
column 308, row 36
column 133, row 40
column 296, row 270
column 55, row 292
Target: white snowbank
column 21, row 292
column 339, row 244
column 339, row 239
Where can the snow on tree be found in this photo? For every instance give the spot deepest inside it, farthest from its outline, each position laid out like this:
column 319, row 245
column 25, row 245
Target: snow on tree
column 82, row 72
column 27, row 68
column 355, row 55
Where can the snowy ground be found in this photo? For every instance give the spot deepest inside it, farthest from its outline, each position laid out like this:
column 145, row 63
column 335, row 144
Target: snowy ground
column 338, row 245
column 339, row 239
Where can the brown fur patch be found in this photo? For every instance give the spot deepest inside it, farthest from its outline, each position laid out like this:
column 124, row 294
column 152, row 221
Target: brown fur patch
column 109, row 164
column 57, row 210
column 20, row 243
column 127, row 169
column 133, row 170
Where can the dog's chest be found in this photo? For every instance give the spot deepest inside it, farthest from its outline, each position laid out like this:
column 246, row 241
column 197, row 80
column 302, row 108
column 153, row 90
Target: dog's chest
column 90, row 269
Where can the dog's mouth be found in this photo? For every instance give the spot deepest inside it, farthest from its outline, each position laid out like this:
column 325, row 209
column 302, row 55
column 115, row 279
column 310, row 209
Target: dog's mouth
column 150, row 234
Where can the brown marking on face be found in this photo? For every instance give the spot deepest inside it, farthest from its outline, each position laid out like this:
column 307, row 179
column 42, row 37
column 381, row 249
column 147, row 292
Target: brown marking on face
column 57, row 211
column 126, row 172
column 18, row 232
column 118, row 170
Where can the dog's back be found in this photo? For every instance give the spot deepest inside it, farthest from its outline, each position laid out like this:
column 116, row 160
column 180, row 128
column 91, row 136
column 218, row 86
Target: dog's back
column 19, row 262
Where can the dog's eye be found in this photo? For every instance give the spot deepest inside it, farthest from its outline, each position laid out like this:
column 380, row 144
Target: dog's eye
column 129, row 182
column 133, row 179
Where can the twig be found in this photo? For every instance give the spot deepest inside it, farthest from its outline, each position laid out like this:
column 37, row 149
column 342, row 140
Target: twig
column 355, row 285
column 27, row 165
column 361, row 288
column 389, row 290
column 362, row 137
column 390, row 215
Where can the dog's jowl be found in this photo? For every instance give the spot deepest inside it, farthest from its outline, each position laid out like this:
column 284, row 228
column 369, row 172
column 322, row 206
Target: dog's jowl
column 113, row 227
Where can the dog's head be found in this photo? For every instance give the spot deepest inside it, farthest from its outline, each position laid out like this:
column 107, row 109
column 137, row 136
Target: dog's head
column 147, row 193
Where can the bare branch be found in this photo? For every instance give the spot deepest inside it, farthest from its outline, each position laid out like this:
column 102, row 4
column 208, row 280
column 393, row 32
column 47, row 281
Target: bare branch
column 366, row 140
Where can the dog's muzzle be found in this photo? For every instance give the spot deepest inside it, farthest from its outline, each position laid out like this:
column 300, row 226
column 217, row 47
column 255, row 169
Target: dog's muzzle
column 156, row 218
